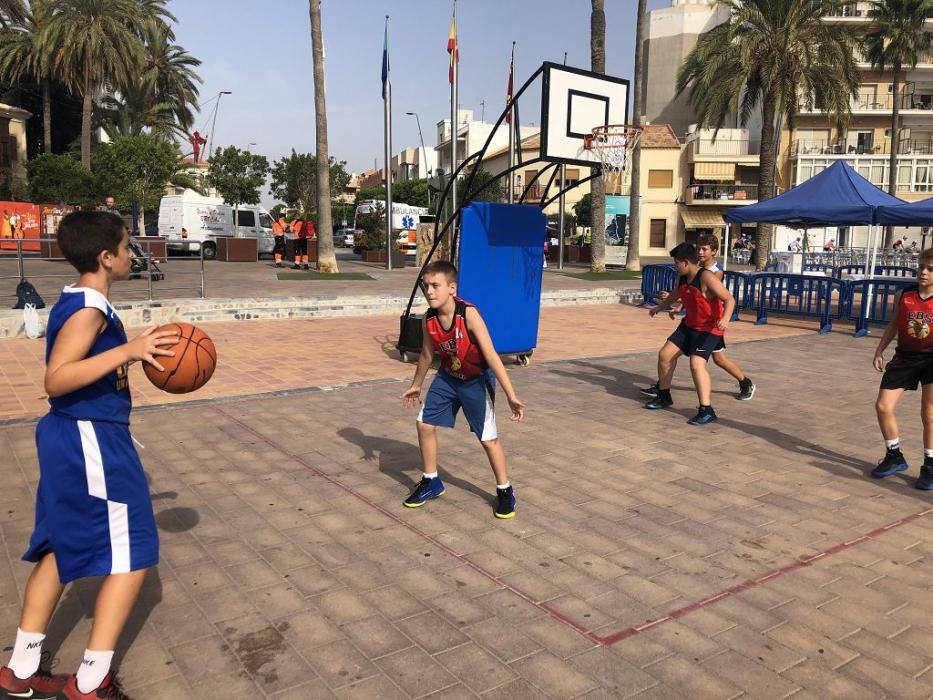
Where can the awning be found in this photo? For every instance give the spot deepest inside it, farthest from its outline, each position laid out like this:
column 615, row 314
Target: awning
column 721, row 172
column 702, row 218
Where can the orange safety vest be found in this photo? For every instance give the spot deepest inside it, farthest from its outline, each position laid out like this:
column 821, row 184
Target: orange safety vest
column 296, row 226
column 278, row 227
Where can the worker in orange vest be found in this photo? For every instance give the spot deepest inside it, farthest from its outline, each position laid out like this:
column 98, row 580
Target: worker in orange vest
column 306, row 233
column 278, row 230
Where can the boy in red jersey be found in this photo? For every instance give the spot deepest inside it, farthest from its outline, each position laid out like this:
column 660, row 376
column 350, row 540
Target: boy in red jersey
column 709, row 307
column 911, row 365
column 466, row 379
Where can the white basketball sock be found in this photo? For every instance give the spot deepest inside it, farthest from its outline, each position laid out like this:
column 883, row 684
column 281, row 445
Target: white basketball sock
column 432, row 475
column 94, row 668
column 27, row 653
column 894, row 444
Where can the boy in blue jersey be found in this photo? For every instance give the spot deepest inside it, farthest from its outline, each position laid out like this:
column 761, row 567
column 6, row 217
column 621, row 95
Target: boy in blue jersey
column 93, row 511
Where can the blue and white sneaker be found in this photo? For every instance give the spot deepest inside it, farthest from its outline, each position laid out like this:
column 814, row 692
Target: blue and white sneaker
column 705, row 414
column 892, row 463
column 425, row 491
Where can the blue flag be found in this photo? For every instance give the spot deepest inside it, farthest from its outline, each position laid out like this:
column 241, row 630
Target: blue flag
column 385, row 62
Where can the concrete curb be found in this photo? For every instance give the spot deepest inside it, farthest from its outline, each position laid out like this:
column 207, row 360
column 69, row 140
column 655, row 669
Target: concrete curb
column 144, row 313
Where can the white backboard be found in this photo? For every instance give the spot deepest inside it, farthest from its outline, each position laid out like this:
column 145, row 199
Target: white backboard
column 573, row 101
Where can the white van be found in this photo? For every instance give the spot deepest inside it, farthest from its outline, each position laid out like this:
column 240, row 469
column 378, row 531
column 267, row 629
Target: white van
column 206, row 218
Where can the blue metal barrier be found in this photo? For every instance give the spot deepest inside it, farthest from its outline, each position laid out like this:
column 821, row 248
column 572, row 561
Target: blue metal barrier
column 819, row 267
column 875, row 302
column 656, row 279
column 886, row 270
column 808, row 296
column 738, row 285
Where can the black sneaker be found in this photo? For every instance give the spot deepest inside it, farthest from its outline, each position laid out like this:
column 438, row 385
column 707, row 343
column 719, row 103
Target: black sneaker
column 425, row 491
column 651, row 392
column 662, row 400
column 746, row 390
column 505, row 503
column 305, row 267
column 925, row 481
column 892, row 463
column 296, row 267
column 705, row 414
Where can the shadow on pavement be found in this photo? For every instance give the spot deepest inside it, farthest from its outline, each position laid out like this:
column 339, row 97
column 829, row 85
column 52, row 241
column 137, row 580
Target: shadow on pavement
column 401, row 461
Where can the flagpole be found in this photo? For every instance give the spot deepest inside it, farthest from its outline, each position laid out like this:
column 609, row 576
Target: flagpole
column 510, row 119
column 387, row 102
column 453, row 131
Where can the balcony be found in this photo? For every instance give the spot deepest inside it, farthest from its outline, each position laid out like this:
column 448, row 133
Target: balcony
column 734, row 150
column 806, row 147
column 715, row 194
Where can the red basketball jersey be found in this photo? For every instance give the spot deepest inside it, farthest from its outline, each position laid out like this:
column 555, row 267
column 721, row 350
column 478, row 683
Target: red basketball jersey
column 914, row 321
column 460, row 355
column 703, row 314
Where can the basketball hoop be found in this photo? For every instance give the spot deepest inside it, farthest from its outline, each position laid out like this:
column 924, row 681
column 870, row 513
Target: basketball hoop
column 610, row 145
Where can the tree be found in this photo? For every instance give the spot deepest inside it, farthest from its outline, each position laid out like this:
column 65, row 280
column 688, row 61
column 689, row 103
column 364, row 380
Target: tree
column 326, row 259
column 364, row 193
column 12, row 12
column 238, row 175
column 486, row 187
column 583, row 210
column 60, row 179
column 633, row 257
column 897, row 38
column 23, row 56
column 136, row 110
column 136, row 169
column 597, row 186
column 776, row 55
column 294, row 179
column 169, row 69
column 412, row 192
column 95, row 44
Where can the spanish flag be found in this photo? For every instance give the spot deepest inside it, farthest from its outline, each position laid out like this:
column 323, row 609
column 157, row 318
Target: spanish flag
column 452, row 48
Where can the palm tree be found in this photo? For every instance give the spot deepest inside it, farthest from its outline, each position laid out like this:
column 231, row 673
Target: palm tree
column 12, row 12
column 95, row 45
column 21, row 56
column 776, row 55
column 171, row 70
column 633, row 260
column 597, row 186
column 897, row 38
column 326, row 259
column 134, row 111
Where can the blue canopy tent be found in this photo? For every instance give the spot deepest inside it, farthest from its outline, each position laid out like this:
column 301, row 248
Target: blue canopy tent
column 838, row 196
column 913, row 214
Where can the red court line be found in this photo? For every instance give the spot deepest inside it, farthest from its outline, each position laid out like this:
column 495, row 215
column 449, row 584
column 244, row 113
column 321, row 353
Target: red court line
column 615, row 637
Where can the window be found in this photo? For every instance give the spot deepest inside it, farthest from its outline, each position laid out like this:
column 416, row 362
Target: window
column 246, row 218
column 265, row 221
column 5, row 149
column 661, row 178
column 658, row 233
column 571, row 176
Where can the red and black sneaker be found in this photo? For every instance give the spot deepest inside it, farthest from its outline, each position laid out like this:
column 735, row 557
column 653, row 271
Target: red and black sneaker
column 41, row 685
column 109, row 688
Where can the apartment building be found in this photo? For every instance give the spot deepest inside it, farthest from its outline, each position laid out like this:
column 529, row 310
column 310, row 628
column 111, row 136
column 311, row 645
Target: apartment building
column 471, row 135
column 12, row 147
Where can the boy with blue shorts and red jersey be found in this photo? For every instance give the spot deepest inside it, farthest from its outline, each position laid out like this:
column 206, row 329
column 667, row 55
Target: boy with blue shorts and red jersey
column 93, row 511
column 911, row 365
column 466, row 380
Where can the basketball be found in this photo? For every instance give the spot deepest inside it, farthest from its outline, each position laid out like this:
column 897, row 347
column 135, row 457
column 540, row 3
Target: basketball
column 193, row 363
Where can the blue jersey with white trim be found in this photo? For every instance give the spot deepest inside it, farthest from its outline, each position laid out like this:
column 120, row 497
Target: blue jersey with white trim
column 107, row 399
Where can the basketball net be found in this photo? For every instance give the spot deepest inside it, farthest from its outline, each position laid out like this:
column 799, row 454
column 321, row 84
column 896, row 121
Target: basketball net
column 611, row 145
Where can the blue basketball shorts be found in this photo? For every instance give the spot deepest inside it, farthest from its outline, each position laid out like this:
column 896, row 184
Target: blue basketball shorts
column 476, row 397
column 93, row 508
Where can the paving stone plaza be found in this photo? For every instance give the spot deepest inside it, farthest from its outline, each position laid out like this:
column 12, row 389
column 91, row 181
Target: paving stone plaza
column 649, row 559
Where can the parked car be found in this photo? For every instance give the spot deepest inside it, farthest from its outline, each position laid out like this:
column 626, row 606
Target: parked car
column 344, row 237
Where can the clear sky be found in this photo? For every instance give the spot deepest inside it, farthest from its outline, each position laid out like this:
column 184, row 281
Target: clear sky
column 261, row 52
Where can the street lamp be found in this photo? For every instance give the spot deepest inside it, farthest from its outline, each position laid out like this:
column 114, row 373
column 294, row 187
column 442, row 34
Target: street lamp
column 210, row 145
column 424, row 153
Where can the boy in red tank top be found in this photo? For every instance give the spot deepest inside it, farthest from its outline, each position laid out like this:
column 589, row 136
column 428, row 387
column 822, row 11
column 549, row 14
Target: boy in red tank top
column 465, row 380
column 911, row 365
column 709, row 307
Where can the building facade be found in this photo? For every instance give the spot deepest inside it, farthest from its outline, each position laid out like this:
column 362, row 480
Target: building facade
column 12, row 148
